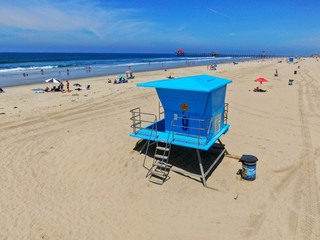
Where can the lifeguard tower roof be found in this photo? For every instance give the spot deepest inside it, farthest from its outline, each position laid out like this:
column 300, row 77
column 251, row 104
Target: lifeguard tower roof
column 200, row 83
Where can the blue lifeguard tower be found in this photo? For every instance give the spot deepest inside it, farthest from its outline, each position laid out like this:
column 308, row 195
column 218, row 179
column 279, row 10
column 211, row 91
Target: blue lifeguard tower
column 195, row 117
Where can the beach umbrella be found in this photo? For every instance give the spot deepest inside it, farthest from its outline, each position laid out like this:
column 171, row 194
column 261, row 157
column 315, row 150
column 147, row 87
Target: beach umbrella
column 121, row 76
column 53, row 80
column 261, row 80
column 77, row 85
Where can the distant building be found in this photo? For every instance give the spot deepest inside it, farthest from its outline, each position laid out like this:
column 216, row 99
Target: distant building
column 214, row 54
column 180, row 52
column 315, row 55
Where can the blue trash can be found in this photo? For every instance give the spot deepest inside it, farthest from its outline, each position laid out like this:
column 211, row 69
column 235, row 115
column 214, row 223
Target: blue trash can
column 249, row 163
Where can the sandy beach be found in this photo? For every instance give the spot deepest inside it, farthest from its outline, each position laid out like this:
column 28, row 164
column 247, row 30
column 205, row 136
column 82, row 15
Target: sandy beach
column 69, row 169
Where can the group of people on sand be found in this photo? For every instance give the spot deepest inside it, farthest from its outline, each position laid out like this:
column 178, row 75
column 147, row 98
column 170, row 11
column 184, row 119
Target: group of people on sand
column 120, row 80
column 129, row 77
column 60, row 88
column 56, row 89
column 212, row 67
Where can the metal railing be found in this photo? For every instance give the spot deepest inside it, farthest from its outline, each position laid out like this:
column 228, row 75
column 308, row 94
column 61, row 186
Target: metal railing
column 199, row 137
column 225, row 113
column 139, row 123
column 161, row 111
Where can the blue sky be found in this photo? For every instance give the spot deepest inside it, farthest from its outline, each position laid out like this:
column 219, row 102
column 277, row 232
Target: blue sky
column 162, row 26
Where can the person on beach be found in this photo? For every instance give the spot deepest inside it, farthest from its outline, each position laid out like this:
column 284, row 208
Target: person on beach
column 68, row 86
column 1, row 90
column 60, row 87
column 47, row 89
column 257, row 89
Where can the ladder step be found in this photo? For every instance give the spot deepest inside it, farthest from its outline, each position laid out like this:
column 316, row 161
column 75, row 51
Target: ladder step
column 153, row 172
column 163, row 148
column 161, row 165
column 160, row 156
column 156, row 180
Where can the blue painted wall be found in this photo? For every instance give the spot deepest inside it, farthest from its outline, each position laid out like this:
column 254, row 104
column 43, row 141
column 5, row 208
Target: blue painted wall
column 202, row 105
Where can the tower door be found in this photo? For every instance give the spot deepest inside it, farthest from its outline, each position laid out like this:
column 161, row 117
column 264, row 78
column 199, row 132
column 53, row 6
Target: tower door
column 185, row 124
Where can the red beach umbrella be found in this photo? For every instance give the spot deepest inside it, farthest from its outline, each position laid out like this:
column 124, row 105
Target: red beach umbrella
column 261, row 80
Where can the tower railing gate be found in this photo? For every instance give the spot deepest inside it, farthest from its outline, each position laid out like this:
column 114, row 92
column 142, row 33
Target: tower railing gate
column 139, row 121
column 199, row 129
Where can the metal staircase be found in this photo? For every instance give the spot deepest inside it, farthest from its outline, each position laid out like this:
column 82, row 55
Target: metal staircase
column 159, row 171
column 160, row 168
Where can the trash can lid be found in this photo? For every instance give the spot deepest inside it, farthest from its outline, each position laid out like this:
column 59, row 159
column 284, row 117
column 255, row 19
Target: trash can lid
column 248, row 158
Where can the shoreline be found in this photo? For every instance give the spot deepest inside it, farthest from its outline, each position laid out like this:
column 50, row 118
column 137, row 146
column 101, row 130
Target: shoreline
column 76, row 72
column 115, row 75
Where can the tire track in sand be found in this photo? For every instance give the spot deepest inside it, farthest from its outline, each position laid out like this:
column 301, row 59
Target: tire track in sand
column 308, row 221
column 82, row 112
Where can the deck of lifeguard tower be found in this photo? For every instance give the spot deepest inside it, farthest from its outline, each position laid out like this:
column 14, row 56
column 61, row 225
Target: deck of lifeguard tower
column 156, row 132
column 192, row 114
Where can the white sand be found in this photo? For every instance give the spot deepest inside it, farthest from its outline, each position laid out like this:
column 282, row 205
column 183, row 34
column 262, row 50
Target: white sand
column 68, row 169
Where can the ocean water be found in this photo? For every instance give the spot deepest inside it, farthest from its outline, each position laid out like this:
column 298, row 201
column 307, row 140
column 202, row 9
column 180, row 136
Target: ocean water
column 24, row 68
